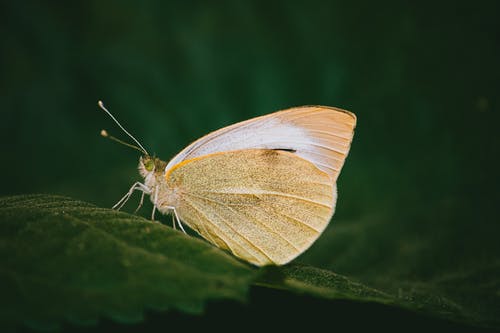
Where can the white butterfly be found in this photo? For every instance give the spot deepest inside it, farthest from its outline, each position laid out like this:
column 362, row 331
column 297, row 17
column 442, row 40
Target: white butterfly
column 264, row 189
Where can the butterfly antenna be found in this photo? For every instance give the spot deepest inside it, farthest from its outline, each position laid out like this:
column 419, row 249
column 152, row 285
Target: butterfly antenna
column 105, row 134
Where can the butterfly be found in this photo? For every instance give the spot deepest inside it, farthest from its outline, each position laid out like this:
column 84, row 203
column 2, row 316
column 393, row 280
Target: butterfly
column 263, row 189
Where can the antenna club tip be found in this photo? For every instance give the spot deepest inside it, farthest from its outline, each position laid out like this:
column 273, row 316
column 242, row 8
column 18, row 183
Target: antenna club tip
column 104, row 133
column 100, row 103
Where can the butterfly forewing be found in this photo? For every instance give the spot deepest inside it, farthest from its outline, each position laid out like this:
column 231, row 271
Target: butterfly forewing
column 319, row 134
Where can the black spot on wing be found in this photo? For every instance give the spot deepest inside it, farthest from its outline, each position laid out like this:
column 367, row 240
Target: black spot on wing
column 285, row 149
column 272, row 155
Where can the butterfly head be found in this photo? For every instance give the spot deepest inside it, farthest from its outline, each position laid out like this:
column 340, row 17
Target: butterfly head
column 151, row 166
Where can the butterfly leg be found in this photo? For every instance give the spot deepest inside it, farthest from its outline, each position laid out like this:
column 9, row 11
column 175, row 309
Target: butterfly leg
column 176, row 219
column 179, row 221
column 125, row 197
column 136, row 186
column 173, row 222
column 154, row 204
column 153, row 213
column 140, row 202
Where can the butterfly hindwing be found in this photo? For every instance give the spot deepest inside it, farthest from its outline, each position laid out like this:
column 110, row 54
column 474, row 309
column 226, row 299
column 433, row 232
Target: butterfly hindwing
column 266, row 206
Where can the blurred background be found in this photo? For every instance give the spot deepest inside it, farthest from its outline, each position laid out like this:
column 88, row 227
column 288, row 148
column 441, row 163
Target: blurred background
column 418, row 195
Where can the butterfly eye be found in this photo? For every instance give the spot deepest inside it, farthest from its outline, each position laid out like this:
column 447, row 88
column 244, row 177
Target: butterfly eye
column 149, row 165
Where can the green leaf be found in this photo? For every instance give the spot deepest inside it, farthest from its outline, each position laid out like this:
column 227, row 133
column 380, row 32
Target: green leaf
column 322, row 283
column 452, row 275
column 66, row 260
column 308, row 280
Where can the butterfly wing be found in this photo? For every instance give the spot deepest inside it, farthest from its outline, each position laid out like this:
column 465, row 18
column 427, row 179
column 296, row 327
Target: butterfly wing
column 265, row 206
column 319, row 134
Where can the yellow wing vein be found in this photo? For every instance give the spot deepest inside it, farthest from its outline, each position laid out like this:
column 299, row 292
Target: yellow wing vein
column 278, row 194
column 228, row 225
column 205, row 229
column 307, row 212
column 232, row 249
column 288, row 206
column 247, row 217
column 263, row 226
column 293, row 218
column 303, row 210
column 209, row 222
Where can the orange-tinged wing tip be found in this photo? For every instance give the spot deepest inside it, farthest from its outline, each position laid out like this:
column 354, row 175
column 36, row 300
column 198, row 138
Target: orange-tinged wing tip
column 348, row 114
column 350, row 118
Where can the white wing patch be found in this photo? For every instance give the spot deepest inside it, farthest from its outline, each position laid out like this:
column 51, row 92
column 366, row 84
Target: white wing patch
column 270, row 134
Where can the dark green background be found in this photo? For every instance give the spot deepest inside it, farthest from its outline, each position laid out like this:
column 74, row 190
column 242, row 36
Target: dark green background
column 419, row 192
